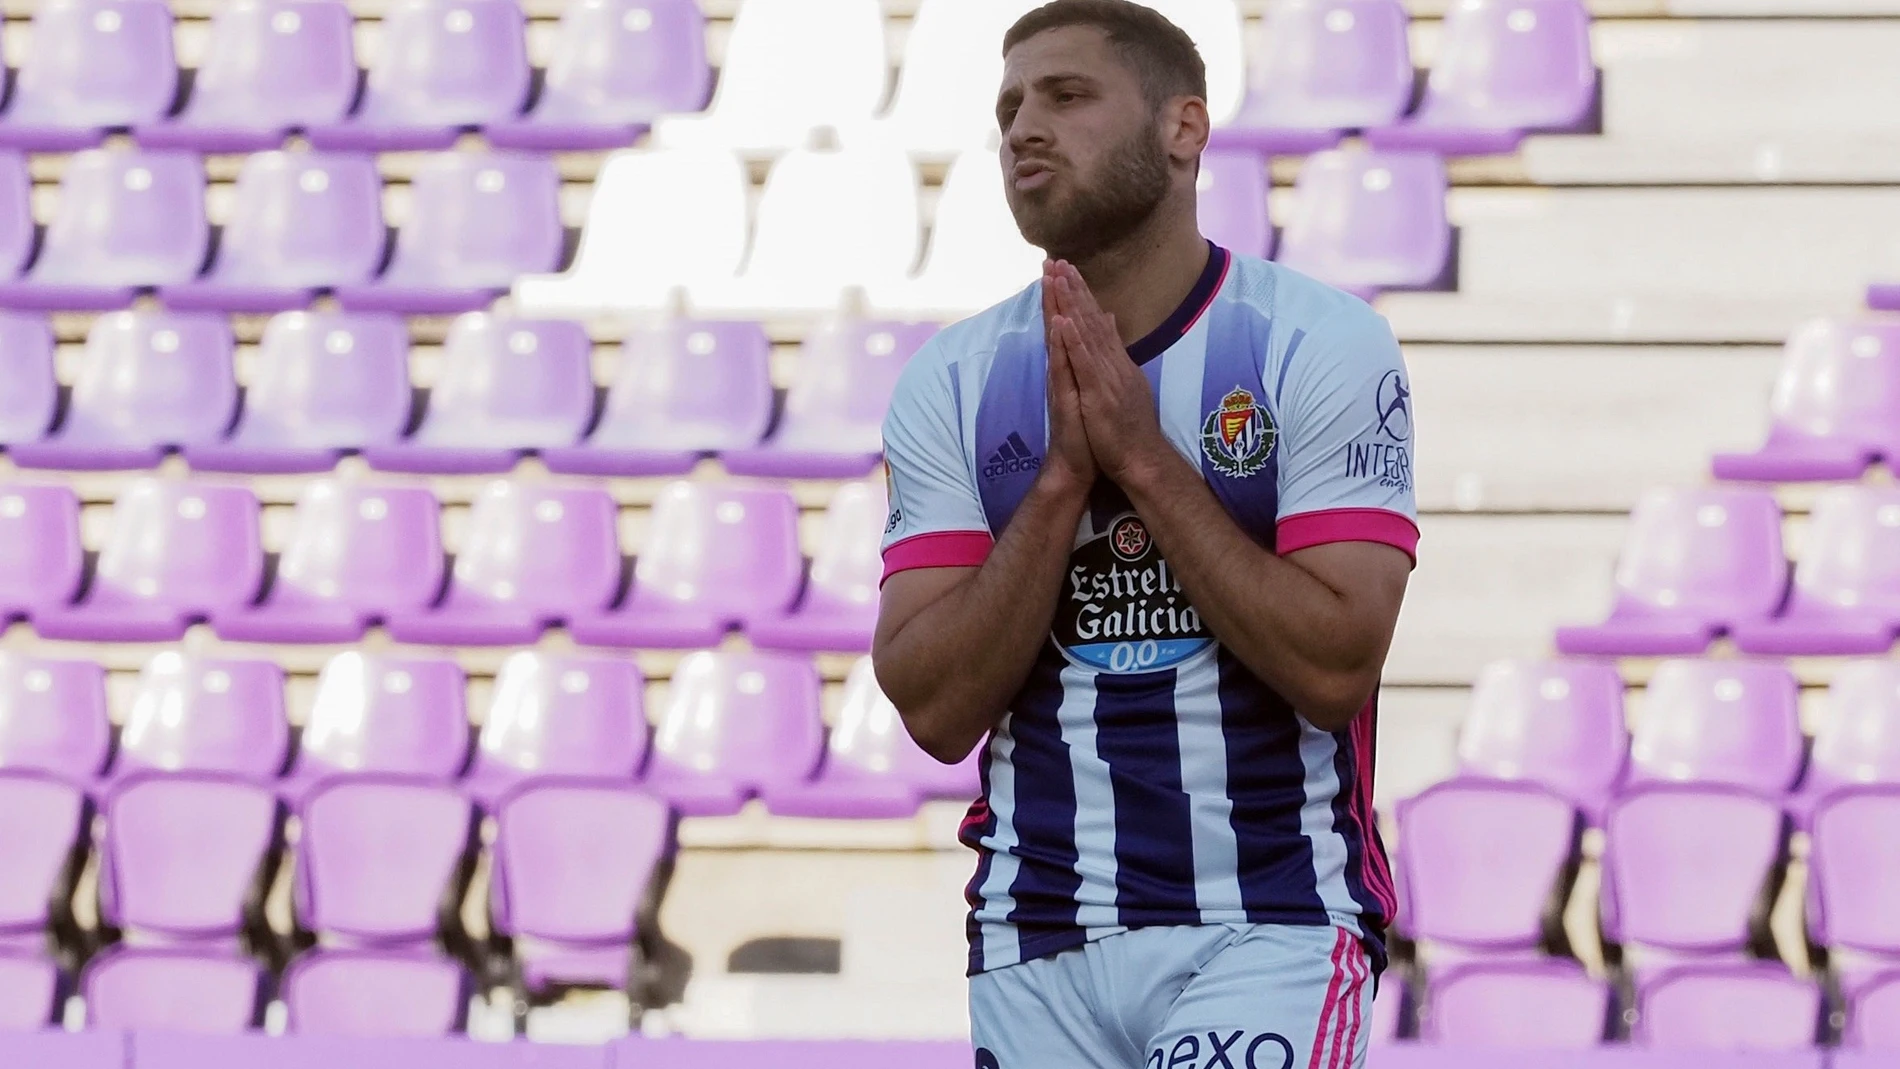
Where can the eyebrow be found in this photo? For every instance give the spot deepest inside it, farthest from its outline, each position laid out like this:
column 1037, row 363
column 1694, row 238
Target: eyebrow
column 1013, row 96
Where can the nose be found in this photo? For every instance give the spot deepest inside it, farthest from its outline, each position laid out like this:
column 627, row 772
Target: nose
column 1026, row 133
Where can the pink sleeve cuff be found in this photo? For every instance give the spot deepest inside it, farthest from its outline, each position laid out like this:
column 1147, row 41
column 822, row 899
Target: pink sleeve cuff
column 1310, row 529
column 937, row 549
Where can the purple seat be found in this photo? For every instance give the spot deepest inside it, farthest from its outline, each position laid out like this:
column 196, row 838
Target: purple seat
column 94, row 65
column 41, row 561
column 378, row 857
column 445, row 65
column 384, row 715
column 563, row 717
column 1873, row 1022
column 213, row 716
column 173, row 1050
column 1853, row 860
column 1734, row 723
column 533, row 554
column 1518, row 1004
column 1325, row 66
column 1369, row 221
column 66, row 1050
column 507, row 386
column 1482, row 863
column 272, row 66
column 573, row 862
column 1695, row 564
column 41, row 819
column 16, row 221
column 834, row 411
column 1684, row 866
column 380, row 994
column 736, row 725
column 356, row 553
column 175, row 553
column 173, row 990
column 683, row 388
column 1846, row 593
column 1233, row 186
column 1504, row 67
column 1754, row 1006
column 29, row 392
column 182, row 856
column 839, row 609
column 53, row 717
column 29, row 997
column 125, row 220
column 1558, row 724
column 147, row 382
column 871, row 766
column 616, row 66
column 1836, row 406
column 323, row 382
column 300, row 222
column 476, row 221
column 717, row 556
column 1858, row 742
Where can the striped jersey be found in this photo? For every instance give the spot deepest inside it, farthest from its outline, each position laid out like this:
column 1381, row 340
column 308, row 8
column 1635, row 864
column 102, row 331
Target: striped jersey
column 1142, row 775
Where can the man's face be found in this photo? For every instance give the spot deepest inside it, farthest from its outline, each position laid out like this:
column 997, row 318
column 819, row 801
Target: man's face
column 1083, row 164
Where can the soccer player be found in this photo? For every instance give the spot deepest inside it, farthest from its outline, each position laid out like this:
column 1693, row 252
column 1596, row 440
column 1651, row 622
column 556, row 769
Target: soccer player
column 1151, row 522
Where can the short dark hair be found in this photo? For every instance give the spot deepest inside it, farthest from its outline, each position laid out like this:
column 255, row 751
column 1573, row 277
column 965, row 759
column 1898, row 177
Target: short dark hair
column 1163, row 55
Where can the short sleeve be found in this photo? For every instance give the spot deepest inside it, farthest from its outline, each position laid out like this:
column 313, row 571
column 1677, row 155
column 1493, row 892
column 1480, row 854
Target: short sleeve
column 1346, row 416
column 936, row 519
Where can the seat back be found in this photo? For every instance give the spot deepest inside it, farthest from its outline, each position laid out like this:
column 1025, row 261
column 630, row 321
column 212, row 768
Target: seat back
column 1516, row 1004
column 477, row 220
column 39, row 824
column 870, row 742
column 512, row 384
column 16, row 214
column 977, row 255
column 848, row 564
column 1850, row 559
column 182, row 852
column 562, row 716
column 626, row 61
column 1853, row 859
column 749, row 719
column 1711, row 553
column 53, row 717
column 1858, row 742
column 1684, row 866
column 546, row 549
column 153, row 378
column 378, row 997
column 1332, row 64
column 173, row 992
column 303, row 219
column 192, row 547
column 842, row 385
column 689, row 385
column 1729, row 722
column 1752, row 1006
column 126, row 218
column 29, row 391
column 276, row 64
column 377, row 714
column 328, row 380
column 832, row 219
column 1482, row 861
column 1513, row 64
column 449, row 63
column 377, row 858
column 1369, row 219
column 372, row 548
column 96, row 63
column 1841, row 380
column 573, row 861
column 952, row 66
column 792, row 65
column 1216, row 28
column 726, row 549
column 1556, row 723
column 41, row 560
column 1233, row 188
column 196, row 714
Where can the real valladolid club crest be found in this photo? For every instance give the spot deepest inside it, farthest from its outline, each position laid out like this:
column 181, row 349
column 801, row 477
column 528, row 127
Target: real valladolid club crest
column 1238, row 436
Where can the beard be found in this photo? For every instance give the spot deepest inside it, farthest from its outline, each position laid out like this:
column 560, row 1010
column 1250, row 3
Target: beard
column 1131, row 183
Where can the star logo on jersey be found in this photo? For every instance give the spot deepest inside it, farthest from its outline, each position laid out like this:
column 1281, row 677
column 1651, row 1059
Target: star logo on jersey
column 1237, row 438
column 1129, row 539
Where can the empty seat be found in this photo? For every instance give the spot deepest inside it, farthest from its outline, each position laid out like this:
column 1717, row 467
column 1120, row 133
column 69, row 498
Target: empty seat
column 616, row 66
column 682, row 388
column 532, row 554
column 445, row 65
column 300, row 222
column 41, row 820
column 1755, row 1006
column 1846, row 593
column 1835, row 409
column 1232, row 201
column 946, row 94
column 175, row 553
column 356, row 552
column 194, row 714
column 1858, row 741
column 173, row 990
column 1323, row 67
column 716, row 557
column 1694, row 564
column 1853, row 860
column 29, row 994
column 29, row 391
column 839, row 608
column 322, row 383
column 53, row 717
column 376, row 714
column 377, row 858
column 735, row 725
column 270, row 67
column 560, row 716
column 834, row 412
column 41, row 560
column 977, row 257
column 1483, row 863
column 375, row 994
column 476, row 221
column 1519, row 1004
column 16, row 214
column 1559, row 724
column 146, row 383
column 506, row 386
column 183, row 856
column 124, row 220
column 1369, row 221
column 1218, row 33
column 1873, row 1020
column 1735, row 723
column 1504, row 67
column 1684, row 866
column 94, row 65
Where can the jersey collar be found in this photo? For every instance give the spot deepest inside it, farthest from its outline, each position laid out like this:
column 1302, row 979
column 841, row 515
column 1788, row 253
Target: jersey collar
column 1183, row 318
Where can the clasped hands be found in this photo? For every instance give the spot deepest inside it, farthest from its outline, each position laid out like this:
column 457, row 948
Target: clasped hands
column 1101, row 408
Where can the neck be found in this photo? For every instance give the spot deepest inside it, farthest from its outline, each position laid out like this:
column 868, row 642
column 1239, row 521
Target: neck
column 1143, row 278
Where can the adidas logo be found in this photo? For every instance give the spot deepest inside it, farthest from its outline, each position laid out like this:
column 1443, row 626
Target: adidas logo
column 1011, row 458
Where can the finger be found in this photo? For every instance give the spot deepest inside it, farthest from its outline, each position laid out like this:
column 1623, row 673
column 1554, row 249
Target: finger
column 1081, row 297
column 1082, row 359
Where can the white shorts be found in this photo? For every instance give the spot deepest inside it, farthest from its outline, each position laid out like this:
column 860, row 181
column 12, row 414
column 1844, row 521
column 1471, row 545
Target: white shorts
column 1219, row 996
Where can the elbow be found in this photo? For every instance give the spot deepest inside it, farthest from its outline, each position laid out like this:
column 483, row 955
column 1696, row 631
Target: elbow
column 1336, row 700
column 939, row 737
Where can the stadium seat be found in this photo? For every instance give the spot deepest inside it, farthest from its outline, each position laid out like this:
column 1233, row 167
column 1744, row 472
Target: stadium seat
column 1388, row 1011
column 175, row 553
column 173, row 990
column 1482, row 863
column 682, row 388
column 1754, row 1006
column 300, row 222
column 560, row 716
column 182, row 855
column 1233, row 188
column 445, row 65
column 377, row 858
column 658, row 222
column 506, row 386
column 1694, row 564
column 977, row 257
column 832, row 427
column 735, row 725
column 53, row 717
column 41, row 561
column 532, row 554
column 1734, row 723
column 1873, row 1021
column 1846, row 593
column 382, row 715
column 356, row 552
column 1685, row 865
column 1836, row 406
column 716, row 557
column 1369, row 221
column 573, row 862
column 475, row 222
column 1518, row 1004
column 124, row 220
column 16, row 215
column 946, row 94
column 29, row 390
column 1558, row 724
column 1852, row 861
column 193, row 714
column 871, row 767
column 839, row 608
column 41, row 821
column 1504, row 67
column 1858, row 741
column 322, row 383
column 375, row 994
column 147, row 382
column 94, row 65
column 1218, row 33
column 270, row 68
column 1323, row 67
column 616, row 66
column 29, row 995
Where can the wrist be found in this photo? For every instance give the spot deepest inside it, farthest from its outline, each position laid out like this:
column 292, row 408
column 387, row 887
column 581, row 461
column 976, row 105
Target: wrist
column 1145, row 469
column 1060, row 481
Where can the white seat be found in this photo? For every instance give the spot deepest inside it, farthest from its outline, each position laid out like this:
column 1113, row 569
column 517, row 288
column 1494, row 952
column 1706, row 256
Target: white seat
column 977, row 256
column 1215, row 26
column 953, row 64
column 658, row 220
column 790, row 66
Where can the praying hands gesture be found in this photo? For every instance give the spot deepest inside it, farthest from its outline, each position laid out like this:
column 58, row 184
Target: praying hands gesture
column 1100, row 404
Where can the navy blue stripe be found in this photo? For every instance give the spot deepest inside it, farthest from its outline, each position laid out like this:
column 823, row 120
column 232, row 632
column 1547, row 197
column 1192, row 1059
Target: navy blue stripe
column 1171, row 330
column 1286, row 364
column 1235, row 335
column 972, row 834
column 1348, row 828
column 1046, row 881
column 1154, row 833
column 1015, row 402
column 1266, row 781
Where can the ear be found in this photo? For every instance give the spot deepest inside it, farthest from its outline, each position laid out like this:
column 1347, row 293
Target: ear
column 1185, row 126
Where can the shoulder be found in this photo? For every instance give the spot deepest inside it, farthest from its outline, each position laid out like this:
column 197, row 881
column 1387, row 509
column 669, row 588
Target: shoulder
column 960, row 355
column 1299, row 302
